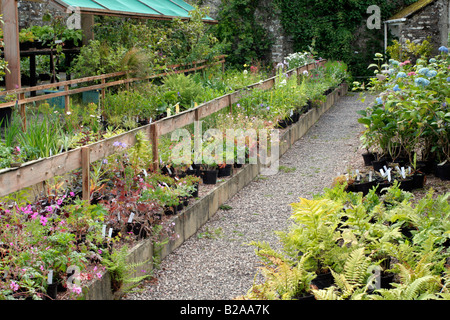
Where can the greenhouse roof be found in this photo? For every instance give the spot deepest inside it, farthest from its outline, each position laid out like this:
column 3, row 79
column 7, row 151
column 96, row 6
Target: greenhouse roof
column 409, row 10
column 149, row 9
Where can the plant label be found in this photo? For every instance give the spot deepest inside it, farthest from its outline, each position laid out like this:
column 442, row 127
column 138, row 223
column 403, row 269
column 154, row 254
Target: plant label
column 403, row 173
column 166, row 185
column 389, row 175
column 168, row 112
column 103, row 230
column 145, row 172
column 110, row 232
column 130, row 219
column 358, row 176
column 177, row 109
column 50, row 277
column 382, row 172
column 370, row 176
column 169, row 171
column 190, row 168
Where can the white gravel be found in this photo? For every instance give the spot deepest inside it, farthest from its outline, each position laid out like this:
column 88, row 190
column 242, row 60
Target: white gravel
column 216, row 263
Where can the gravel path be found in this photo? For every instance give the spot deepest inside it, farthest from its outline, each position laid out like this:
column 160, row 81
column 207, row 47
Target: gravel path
column 217, row 263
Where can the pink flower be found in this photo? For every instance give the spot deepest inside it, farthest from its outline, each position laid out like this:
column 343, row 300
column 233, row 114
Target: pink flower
column 76, row 290
column 59, row 202
column 72, row 194
column 43, row 220
column 14, row 286
column 49, row 208
column 412, row 73
column 99, row 275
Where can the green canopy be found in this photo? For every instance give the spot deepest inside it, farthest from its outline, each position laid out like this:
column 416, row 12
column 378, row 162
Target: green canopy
column 151, row 9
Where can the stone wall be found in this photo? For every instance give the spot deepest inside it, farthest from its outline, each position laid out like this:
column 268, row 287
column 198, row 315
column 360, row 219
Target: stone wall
column 30, row 13
column 269, row 19
column 432, row 20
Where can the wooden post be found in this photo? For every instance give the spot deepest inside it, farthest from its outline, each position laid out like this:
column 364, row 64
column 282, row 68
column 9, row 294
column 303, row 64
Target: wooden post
column 154, row 139
column 66, row 99
column 85, row 169
column 11, row 39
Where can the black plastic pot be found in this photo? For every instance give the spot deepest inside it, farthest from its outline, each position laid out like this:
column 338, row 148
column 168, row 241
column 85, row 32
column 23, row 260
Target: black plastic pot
column 210, row 176
column 407, row 184
column 378, row 164
column 52, row 291
column 418, row 180
column 363, row 187
column 383, row 184
column 323, row 280
column 195, row 193
column 225, row 171
column 386, row 280
column 368, row 158
column 443, row 171
column 295, row 116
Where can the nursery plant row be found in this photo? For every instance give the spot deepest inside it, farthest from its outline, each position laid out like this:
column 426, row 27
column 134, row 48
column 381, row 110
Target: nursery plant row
column 60, row 240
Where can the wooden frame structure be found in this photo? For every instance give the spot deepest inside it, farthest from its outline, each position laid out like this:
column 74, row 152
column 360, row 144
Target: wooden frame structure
column 34, row 172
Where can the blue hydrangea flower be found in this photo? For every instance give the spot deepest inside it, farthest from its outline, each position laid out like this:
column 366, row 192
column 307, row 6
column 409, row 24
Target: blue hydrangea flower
column 423, row 71
column 379, row 100
column 401, row 75
column 448, row 79
column 431, row 73
column 422, row 82
column 396, row 88
column 432, row 60
column 393, row 62
column 443, row 49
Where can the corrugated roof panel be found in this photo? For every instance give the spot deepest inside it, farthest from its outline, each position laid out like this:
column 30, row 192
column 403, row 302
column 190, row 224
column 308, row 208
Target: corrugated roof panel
column 169, row 8
column 83, row 4
column 166, row 8
column 126, row 6
column 183, row 4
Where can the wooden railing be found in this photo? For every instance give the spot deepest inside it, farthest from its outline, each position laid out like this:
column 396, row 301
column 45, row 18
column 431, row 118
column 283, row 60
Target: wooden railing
column 35, row 172
column 20, row 100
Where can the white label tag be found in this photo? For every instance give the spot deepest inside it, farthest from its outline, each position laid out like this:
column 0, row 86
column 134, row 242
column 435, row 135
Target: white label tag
column 403, row 173
column 130, row 219
column 370, row 176
column 110, row 232
column 50, row 277
column 103, row 230
column 145, row 172
column 169, row 171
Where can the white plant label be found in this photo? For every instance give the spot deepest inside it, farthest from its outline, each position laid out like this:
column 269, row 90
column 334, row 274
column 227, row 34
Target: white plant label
column 103, row 230
column 370, row 176
column 110, row 232
column 145, row 172
column 403, row 173
column 169, row 171
column 130, row 219
column 50, row 277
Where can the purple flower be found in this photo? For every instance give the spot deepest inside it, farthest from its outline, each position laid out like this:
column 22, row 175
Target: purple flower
column 49, row 208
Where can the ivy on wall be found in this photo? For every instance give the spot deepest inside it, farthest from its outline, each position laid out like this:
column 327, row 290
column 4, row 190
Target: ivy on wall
column 333, row 25
column 240, row 27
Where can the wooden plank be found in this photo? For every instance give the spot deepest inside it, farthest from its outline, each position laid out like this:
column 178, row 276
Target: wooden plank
column 214, row 106
column 85, row 169
column 167, row 125
column 40, row 170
